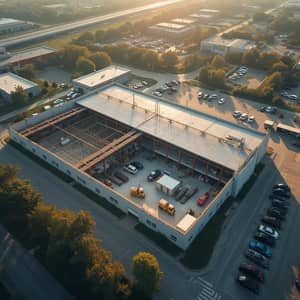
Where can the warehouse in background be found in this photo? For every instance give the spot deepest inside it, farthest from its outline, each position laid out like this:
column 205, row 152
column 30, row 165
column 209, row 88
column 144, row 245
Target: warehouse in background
column 9, row 82
column 8, row 25
column 98, row 79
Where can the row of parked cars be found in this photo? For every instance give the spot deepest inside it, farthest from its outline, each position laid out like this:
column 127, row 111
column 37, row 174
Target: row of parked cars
column 169, row 88
column 208, row 97
column 240, row 72
column 259, row 250
column 244, row 117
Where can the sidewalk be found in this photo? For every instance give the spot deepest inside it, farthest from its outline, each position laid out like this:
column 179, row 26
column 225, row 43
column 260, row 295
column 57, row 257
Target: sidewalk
column 24, row 274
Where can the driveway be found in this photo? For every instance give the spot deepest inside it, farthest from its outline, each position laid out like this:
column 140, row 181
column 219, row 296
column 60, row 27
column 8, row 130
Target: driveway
column 23, row 273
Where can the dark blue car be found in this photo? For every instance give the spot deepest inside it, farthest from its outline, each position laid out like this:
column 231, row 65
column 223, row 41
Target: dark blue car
column 260, row 248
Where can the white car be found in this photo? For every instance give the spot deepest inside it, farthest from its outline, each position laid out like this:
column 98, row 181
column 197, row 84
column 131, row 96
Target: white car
column 158, row 94
column 57, row 101
column 269, row 231
column 293, row 97
column 236, row 113
column 244, row 117
column 130, row 169
column 46, row 107
column 221, row 101
column 251, row 119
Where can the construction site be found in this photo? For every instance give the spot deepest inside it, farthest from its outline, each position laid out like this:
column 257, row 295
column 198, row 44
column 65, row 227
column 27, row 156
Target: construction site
column 168, row 166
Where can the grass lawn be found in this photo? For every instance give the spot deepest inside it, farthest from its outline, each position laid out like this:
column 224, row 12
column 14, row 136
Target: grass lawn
column 159, row 239
column 200, row 251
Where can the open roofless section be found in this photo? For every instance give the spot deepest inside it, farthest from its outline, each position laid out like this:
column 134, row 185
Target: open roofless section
column 199, row 157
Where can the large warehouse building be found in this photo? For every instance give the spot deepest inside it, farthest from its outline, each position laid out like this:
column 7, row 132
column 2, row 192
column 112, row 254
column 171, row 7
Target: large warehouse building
column 221, row 46
column 8, row 25
column 188, row 163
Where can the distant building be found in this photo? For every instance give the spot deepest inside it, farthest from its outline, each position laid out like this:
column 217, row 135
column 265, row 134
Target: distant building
column 209, row 11
column 183, row 21
column 221, row 46
column 171, row 30
column 8, row 25
column 13, row 61
column 293, row 3
column 101, row 77
column 9, row 82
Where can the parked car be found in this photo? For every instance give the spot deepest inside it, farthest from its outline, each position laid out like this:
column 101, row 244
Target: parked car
column 252, row 270
column 277, row 213
column 200, row 95
column 251, row 119
column 257, row 258
column 284, row 93
column 213, row 97
column 248, row 282
column 202, row 200
column 154, row 175
column 137, row 164
column 262, row 237
column 281, row 205
column 281, row 193
column 293, row 97
column 272, row 221
column 58, row 101
column 270, row 109
column 297, row 281
column 206, row 96
column 236, row 113
column 260, row 248
column 130, row 169
column 268, row 230
column 244, row 117
column 282, row 186
column 221, row 101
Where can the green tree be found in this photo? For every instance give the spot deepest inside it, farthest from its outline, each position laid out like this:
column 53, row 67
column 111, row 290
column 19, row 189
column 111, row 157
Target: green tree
column 85, row 65
column 169, row 60
column 234, row 58
column 251, row 57
column 101, row 59
column 146, row 271
column 204, row 74
column 19, row 97
column 280, row 67
column 27, row 71
column 151, row 59
column 218, row 62
column 70, row 55
column 46, row 83
column 86, row 38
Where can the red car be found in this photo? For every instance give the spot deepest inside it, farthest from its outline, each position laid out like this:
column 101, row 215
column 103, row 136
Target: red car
column 202, row 200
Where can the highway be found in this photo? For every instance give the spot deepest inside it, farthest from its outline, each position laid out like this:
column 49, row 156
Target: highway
column 59, row 29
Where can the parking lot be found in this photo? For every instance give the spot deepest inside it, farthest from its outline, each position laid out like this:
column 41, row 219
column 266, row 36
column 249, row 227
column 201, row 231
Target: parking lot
column 187, row 95
column 252, row 78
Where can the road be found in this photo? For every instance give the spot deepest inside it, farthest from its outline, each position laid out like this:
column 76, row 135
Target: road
column 23, row 273
column 12, row 114
column 59, row 29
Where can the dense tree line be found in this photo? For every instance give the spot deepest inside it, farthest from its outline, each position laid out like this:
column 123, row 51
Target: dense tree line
column 65, row 244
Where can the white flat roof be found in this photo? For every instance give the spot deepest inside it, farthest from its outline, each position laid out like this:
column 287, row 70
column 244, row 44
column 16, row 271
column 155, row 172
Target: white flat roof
column 170, row 25
column 28, row 54
column 183, row 21
column 99, row 77
column 186, row 222
column 9, row 82
column 168, row 181
column 211, row 11
column 8, row 21
column 204, row 16
column 193, row 131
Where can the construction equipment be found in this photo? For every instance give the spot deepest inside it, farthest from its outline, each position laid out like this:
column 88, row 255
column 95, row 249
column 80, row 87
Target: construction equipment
column 167, row 207
column 137, row 191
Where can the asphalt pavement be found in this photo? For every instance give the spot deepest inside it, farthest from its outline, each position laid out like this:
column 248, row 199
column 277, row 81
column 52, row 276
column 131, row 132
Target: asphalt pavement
column 23, row 273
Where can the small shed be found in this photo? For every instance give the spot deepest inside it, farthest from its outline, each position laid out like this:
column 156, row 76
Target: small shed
column 167, row 184
column 186, row 222
column 268, row 124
